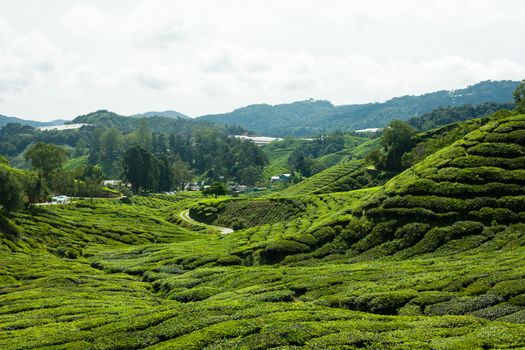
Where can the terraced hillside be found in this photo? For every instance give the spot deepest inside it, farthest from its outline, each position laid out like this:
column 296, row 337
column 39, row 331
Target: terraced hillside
column 345, row 176
column 476, row 183
column 433, row 260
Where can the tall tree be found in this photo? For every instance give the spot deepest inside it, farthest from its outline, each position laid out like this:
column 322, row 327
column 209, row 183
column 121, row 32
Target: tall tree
column 143, row 135
column 182, row 173
column 165, row 177
column 95, row 149
column 519, row 97
column 216, row 189
column 46, row 158
column 10, row 191
column 396, row 140
column 141, row 169
column 110, row 143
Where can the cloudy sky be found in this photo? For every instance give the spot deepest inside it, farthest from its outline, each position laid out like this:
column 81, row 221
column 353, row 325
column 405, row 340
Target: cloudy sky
column 63, row 58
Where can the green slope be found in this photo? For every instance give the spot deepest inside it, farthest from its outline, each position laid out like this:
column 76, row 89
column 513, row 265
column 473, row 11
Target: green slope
column 345, row 176
column 434, row 260
column 313, row 117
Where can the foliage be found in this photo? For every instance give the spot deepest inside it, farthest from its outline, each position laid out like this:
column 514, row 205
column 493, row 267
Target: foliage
column 433, row 259
column 46, row 158
column 146, row 172
column 10, row 190
column 452, row 114
column 396, row 140
column 302, row 158
column 216, row 189
column 313, row 117
column 519, row 97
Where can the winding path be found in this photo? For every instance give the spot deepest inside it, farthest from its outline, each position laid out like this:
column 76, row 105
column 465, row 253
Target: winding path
column 185, row 215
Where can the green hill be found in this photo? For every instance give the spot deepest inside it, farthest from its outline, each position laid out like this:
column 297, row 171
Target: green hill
column 448, row 115
column 431, row 260
column 313, row 117
column 157, row 123
column 463, row 189
column 166, row 114
column 345, row 176
column 4, row 120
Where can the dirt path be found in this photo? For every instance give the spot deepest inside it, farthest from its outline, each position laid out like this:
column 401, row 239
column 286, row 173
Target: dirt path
column 185, row 215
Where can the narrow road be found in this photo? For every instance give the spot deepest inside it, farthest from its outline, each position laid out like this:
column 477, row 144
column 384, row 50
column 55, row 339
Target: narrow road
column 185, row 215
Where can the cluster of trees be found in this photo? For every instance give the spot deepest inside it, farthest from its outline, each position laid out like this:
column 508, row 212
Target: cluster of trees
column 216, row 159
column 400, row 148
column 452, row 114
column 397, row 139
column 306, row 118
column 144, row 171
column 48, row 160
column 207, row 152
column 151, row 161
column 302, row 159
column 18, row 186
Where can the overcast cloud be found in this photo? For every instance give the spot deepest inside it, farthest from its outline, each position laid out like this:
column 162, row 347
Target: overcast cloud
column 62, row 58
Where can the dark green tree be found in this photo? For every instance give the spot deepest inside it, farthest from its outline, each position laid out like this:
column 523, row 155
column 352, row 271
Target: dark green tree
column 216, row 189
column 95, row 147
column 249, row 175
column 396, row 140
column 519, row 97
column 182, row 173
column 110, row 143
column 166, row 181
column 141, row 169
column 11, row 192
column 46, row 158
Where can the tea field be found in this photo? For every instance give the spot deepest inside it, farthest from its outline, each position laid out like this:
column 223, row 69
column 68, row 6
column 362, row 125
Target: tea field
column 434, row 259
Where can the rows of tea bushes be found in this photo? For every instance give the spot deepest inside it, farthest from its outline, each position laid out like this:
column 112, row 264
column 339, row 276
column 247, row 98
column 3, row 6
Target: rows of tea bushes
column 474, row 187
column 345, row 176
column 197, row 290
column 435, row 259
column 241, row 213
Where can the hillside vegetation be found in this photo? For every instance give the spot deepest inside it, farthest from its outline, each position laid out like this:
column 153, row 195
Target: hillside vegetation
column 312, row 117
column 434, row 259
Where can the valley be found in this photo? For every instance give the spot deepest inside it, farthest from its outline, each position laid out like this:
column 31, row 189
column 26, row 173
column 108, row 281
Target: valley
column 430, row 258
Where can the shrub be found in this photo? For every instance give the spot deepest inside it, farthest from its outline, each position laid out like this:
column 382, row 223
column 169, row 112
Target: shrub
column 229, row 260
column 411, row 233
column 277, row 250
column 324, row 234
column 194, row 294
column 276, row 296
column 500, row 215
column 505, row 150
column 463, row 305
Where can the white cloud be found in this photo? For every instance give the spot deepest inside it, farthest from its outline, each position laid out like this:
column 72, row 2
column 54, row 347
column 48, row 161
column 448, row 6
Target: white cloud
column 26, row 61
column 204, row 56
column 4, row 30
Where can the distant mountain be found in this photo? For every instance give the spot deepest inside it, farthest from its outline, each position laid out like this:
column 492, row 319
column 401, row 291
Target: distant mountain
column 166, row 114
column 4, row 120
column 158, row 124
column 59, row 121
column 313, row 117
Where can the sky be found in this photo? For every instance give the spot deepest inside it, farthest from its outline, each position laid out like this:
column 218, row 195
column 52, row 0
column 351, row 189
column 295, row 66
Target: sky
column 63, row 58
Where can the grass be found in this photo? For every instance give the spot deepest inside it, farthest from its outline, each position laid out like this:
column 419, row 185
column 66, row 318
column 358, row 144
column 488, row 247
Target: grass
column 435, row 259
column 76, row 162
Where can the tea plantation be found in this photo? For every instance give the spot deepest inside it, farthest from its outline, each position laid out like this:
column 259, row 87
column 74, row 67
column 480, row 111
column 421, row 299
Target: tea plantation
column 433, row 259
